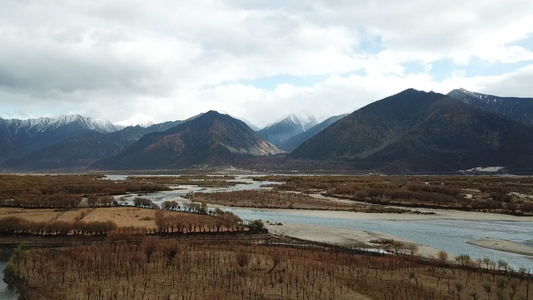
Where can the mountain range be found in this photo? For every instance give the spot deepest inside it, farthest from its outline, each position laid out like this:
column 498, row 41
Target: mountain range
column 70, row 145
column 34, row 134
column 410, row 132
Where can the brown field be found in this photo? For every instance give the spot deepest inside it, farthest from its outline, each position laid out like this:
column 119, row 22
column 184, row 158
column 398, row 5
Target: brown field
column 247, row 268
column 114, row 220
column 196, row 179
column 122, row 265
column 122, row 216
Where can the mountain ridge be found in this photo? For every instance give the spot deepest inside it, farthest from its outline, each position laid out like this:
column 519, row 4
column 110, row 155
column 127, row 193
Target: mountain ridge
column 35, row 134
column 419, row 131
column 517, row 108
column 411, row 131
column 211, row 139
column 83, row 150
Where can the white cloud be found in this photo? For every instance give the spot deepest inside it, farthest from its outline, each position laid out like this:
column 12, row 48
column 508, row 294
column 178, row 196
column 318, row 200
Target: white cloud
column 511, row 84
column 174, row 59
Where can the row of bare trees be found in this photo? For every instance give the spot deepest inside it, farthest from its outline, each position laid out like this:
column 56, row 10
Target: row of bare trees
column 186, row 222
column 36, row 200
column 16, row 225
column 269, row 199
column 166, row 222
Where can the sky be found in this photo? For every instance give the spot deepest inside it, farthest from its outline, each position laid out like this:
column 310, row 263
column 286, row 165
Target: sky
column 255, row 60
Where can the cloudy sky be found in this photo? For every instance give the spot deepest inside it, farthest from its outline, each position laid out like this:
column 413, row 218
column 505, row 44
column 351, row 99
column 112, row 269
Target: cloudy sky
column 257, row 60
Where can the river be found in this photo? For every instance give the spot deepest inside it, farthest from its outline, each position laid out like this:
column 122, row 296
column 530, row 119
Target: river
column 448, row 235
column 445, row 234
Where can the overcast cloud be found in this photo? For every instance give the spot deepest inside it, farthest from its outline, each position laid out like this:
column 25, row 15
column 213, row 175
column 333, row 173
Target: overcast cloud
column 257, row 60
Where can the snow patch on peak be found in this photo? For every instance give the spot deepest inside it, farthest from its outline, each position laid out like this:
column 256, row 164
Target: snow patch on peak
column 302, row 118
column 469, row 97
column 137, row 119
column 86, row 122
column 44, row 123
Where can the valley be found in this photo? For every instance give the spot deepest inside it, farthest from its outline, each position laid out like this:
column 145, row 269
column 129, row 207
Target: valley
column 304, row 221
column 419, row 194
column 266, row 150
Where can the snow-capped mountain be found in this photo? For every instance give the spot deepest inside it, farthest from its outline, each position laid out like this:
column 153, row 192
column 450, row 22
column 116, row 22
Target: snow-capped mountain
column 520, row 109
column 33, row 126
column 297, row 140
column 137, row 119
column 302, row 118
column 38, row 133
column 287, row 127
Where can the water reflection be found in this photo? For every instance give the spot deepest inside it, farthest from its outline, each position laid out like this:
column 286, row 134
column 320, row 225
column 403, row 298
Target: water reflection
column 7, row 292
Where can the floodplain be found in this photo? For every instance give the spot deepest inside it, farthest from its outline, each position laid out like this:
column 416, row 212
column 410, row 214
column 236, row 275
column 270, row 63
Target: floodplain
column 192, row 245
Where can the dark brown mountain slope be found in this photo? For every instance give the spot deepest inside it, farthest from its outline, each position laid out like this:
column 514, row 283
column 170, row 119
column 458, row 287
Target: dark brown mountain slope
column 212, row 139
column 427, row 132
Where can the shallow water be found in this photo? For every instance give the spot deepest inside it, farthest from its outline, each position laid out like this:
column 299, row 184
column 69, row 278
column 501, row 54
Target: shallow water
column 6, row 292
column 159, row 197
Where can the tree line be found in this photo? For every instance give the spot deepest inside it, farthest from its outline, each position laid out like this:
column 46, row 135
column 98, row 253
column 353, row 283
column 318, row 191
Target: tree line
column 17, row 225
column 165, row 223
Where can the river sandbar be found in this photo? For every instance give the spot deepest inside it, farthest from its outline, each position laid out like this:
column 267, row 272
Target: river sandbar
column 346, row 237
column 503, row 245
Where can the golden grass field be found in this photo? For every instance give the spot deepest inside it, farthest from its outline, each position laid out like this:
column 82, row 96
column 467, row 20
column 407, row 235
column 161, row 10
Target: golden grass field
column 122, row 216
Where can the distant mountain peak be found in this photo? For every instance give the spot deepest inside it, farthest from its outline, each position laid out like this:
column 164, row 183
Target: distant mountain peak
column 520, row 109
column 287, row 127
column 463, row 91
column 138, row 119
column 303, row 118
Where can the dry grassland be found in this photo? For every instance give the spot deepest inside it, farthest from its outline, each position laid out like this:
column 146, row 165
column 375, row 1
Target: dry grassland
column 122, row 216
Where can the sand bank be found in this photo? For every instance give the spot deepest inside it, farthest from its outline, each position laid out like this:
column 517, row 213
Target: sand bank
column 346, row 237
column 503, row 245
column 426, row 214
